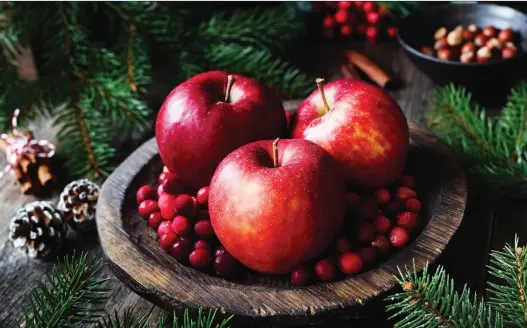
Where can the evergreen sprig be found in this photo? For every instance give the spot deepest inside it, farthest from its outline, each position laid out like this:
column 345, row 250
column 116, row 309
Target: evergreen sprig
column 509, row 295
column 94, row 63
column 431, row 301
column 70, row 295
column 493, row 148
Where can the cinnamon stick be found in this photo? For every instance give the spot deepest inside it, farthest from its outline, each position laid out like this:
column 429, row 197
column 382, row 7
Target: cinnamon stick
column 372, row 70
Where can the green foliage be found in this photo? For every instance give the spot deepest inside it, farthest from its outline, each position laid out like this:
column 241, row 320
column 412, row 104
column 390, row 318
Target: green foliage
column 509, row 295
column 492, row 148
column 70, row 295
column 432, row 301
column 94, row 63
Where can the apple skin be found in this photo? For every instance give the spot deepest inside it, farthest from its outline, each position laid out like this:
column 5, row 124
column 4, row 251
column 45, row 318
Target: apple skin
column 365, row 130
column 196, row 129
column 272, row 219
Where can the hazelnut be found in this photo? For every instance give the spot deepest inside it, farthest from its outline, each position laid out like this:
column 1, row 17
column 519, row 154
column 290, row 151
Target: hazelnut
column 467, row 57
column 427, row 50
column 445, row 54
column 480, row 40
column 494, row 44
column 473, row 28
column 440, row 44
column 489, row 31
column 506, row 35
column 484, row 55
column 440, row 33
column 454, row 38
column 508, row 52
column 458, row 28
column 468, row 35
column 468, row 47
column 510, row 45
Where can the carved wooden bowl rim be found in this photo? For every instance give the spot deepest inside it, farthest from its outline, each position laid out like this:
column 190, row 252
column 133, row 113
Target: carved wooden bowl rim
column 176, row 285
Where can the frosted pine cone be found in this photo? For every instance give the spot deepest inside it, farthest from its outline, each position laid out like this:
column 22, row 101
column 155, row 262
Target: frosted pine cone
column 77, row 203
column 37, row 229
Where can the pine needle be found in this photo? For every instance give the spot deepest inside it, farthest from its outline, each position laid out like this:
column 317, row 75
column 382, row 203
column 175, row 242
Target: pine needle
column 430, row 300
column 508, row 296
column 68, row 296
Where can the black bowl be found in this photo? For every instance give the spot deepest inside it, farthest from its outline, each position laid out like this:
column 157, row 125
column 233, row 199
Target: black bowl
column 489, row 82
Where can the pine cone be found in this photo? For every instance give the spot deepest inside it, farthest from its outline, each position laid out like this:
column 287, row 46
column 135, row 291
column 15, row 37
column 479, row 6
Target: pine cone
column 77, row 203
column 37, row 229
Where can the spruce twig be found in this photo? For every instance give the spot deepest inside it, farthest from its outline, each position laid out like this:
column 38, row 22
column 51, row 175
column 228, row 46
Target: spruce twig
column 431, row 301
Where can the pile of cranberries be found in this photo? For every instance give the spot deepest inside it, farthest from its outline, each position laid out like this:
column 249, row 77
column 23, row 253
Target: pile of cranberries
column 355, row 18
column 376, row 222
column 183, row 225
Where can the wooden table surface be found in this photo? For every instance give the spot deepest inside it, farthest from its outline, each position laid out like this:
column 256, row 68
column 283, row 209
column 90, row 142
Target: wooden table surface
column 488, row 222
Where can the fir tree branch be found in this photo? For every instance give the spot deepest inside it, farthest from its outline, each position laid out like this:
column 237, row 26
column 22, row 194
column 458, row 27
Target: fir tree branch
column 70, row 295
column 432, row 301
column 130, row 57
column 509, row 295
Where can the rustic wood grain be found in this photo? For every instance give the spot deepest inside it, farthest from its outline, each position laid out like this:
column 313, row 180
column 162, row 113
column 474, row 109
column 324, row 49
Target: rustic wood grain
column 464, row 257
column 136, row 258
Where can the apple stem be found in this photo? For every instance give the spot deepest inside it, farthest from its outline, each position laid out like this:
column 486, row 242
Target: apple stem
column 230, row 82
column 275, row 152
column 320, row 84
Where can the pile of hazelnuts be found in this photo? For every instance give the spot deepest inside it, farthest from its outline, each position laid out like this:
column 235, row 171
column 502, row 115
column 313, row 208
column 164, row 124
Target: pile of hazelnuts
column 376, row 222
column 472, row 44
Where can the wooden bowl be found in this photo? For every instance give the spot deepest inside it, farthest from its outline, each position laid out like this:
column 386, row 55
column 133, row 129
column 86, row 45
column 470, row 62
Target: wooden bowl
column 135, row 257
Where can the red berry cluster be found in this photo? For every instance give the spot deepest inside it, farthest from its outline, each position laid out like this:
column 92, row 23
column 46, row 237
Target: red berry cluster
column 183, row 225
column 376, row 222
column 356, row 18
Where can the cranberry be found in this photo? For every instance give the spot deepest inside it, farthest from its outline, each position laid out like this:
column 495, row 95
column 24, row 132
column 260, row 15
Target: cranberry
column 369, row 6
column 172, row 185
column 344, row 4
column 407, row 181
column 167, row 205
column 203, row 229
column 203, row 215
column 403, row 193
column 408, row 220
column 399, row 237
column 343, row 245
column 154, row 220
column 148, row 207
column 413, row 205
column 382, row 196
column 185, row 205
column 163, row 228
column 167, row 240
column 219, row 251
column 365, row 232
column 352, row 200
column 202, row 244
column 302, row 275
column 368, row 208
column 373, row 17
column 160, row 190
column 162, row 177
column 181, row 225
column 346, row 30
column 350, row 263
column 391, row 31
column 181, row 250
column 325, row 271
column 341, row 16
column 203, row 197
column 381, row 243
column 144, row 193
column 368, row 254
column 382, row 224
column 225, row 265
column 200, row 258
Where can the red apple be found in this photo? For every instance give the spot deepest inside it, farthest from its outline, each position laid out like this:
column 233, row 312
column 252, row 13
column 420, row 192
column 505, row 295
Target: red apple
column 206, row 117
column 275, row 205
column 360, row 125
